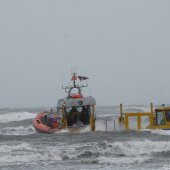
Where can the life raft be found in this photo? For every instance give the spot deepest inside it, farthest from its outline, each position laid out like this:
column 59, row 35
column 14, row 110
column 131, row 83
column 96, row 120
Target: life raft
column 46, row 122
column 76, row 96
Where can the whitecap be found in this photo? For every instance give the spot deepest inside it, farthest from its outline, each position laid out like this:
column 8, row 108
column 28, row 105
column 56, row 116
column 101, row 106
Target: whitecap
column 26, row 154
column 16, row 116
column 158, row 132
column 19, row 130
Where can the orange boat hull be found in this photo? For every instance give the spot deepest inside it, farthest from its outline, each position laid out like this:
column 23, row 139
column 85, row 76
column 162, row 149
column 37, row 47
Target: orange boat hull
column 38, row 125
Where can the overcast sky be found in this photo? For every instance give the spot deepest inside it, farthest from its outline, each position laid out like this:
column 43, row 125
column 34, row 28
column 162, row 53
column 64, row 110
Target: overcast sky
column 123, row 46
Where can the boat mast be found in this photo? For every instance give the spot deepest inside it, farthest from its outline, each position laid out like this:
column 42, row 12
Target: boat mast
column 68, row 89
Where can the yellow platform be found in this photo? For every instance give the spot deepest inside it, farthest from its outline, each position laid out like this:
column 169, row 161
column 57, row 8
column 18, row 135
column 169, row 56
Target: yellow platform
column 158, row 118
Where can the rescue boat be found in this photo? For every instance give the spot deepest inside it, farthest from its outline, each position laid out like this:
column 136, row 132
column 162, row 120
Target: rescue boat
column 74, row 112
column 46, row 122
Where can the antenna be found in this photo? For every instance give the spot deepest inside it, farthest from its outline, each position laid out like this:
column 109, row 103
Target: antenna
column 161, row 95
column 74, row 84
column 74, row 70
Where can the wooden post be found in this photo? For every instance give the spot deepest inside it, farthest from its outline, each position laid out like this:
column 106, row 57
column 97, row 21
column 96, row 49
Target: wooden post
column 121, row 118
column 152, row 116
column 114, row 125
column 121, row 110
column 106, row 124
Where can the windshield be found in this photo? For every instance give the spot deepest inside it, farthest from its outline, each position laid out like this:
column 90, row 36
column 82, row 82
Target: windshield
column 160, row 120
column 167, row 113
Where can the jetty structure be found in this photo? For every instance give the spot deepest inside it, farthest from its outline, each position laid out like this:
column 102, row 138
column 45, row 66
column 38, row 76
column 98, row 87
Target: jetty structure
column 159, row 118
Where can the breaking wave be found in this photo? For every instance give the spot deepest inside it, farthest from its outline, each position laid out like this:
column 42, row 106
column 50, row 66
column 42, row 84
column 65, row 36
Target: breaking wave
column 117, row 153
column 16, row 116
column 20, row 130
column 120, row 153
column 159, row 132
column 25, row 153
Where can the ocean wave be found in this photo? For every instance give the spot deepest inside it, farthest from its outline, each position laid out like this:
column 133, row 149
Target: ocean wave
column 119, row 153
column 159, row 132
column 16, row 116
column 20, row 130
column 136, row 108
column 116, row 153
column 26, row 154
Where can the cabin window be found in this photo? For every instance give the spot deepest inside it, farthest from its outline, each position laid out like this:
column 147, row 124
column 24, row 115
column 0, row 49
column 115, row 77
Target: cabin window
column 160, row 120
column 167, row 113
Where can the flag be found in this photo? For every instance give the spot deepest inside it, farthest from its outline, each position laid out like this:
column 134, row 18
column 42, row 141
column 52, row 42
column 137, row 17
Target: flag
column 81, row 78
column 74, row 77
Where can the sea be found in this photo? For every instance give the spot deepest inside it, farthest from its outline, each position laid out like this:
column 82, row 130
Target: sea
column 110, row 147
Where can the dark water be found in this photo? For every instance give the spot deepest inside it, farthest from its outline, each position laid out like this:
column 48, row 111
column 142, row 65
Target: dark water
column 21, row 147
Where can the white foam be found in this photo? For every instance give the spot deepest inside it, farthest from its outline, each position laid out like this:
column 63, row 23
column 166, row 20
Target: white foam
column 12, row 148
column 20, row 130
column 143, row 108
column 16, row 116
column 146, row 147
column 106, row 115
column 116, row 153
column 26, row 154
column 86, row 129
column 122, row 161
column 81, row 130
column 62, row 131
column 133, row 151
column 100, row 125
column 120, row 153
column 159, row 132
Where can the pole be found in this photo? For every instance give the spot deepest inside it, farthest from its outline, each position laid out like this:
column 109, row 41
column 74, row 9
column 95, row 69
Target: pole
column 121, row 118
column 152, row 118
column 106, row 124
column 151, row 106
column 114, row 125
column 92, row 120
column 121, row 110
column 63, row 119
column 126, row 122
